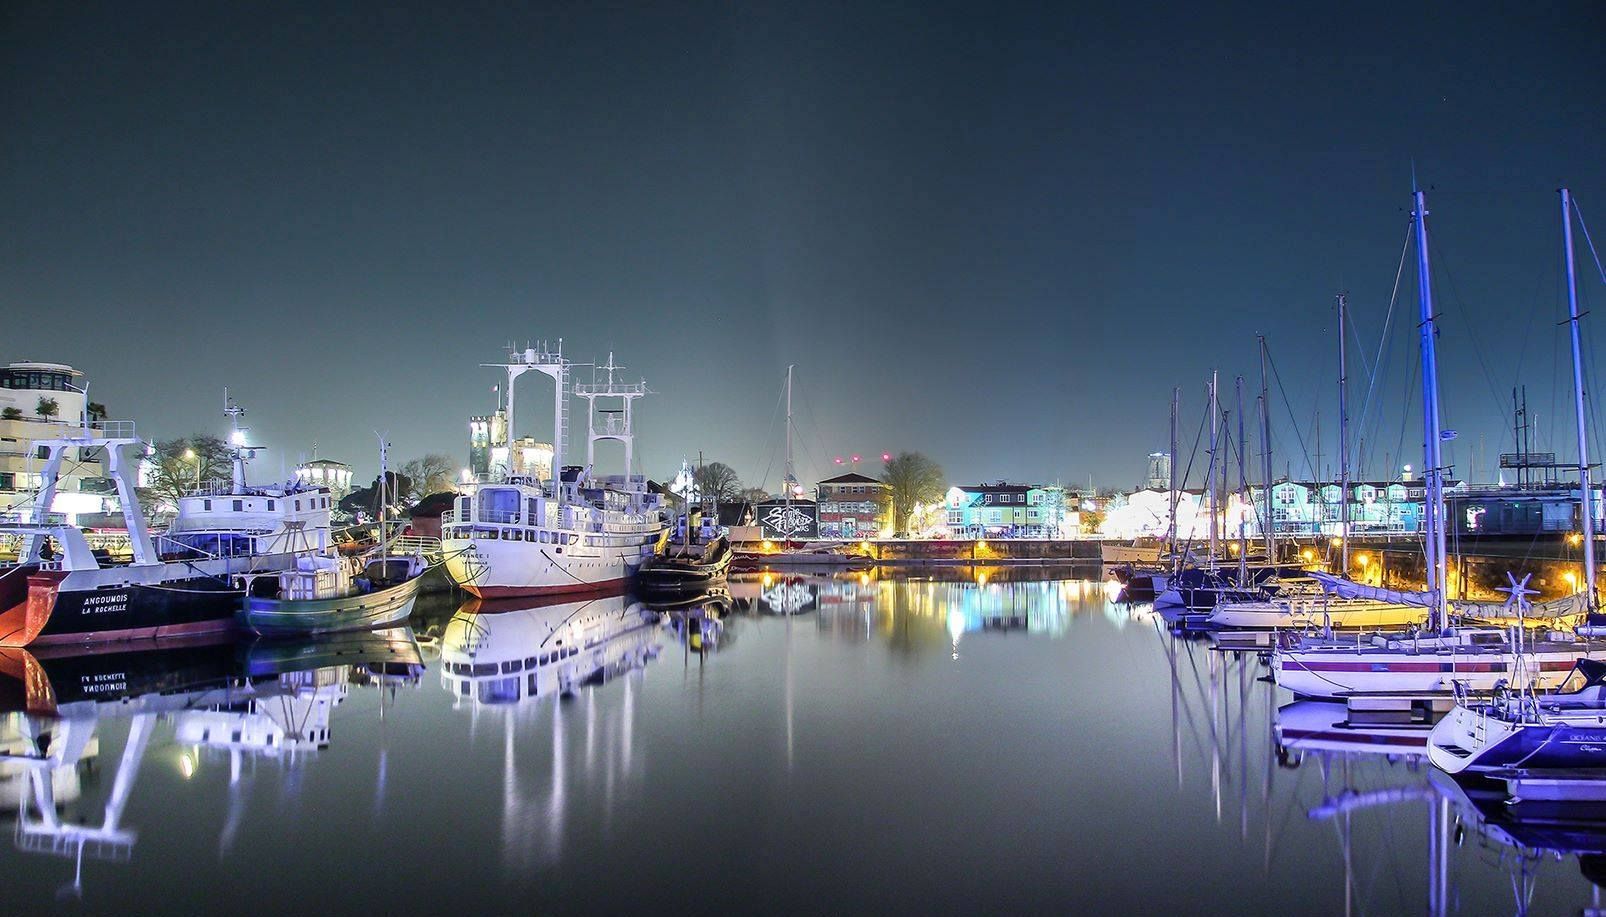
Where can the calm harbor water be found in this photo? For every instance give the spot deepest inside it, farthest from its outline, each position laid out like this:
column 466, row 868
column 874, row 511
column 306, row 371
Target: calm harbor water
column 973, row 740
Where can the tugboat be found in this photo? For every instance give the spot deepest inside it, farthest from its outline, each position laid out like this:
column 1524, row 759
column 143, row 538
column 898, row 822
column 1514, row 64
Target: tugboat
column 690, row 566
column 189, row 580
column 575, row 533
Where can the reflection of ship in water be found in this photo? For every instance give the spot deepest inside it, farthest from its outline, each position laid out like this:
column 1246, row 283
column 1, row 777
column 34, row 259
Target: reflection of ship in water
column 215, row 696
column 504, row 660
column 509, row 652
column 1524, row 835
column 700, row 625
column 1284, row 768
column 1303, row 774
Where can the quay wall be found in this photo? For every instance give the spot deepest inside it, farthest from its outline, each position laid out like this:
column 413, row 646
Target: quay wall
column 894, row 551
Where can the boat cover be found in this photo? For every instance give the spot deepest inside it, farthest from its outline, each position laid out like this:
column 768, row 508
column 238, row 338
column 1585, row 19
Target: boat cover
column 1574, row 604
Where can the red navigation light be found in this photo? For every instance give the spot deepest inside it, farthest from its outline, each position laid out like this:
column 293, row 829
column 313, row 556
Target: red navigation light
column 855, row 458
column 886, row 456
column 839, row 460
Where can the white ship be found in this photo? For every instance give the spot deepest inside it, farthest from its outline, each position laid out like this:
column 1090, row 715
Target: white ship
column 576, row 532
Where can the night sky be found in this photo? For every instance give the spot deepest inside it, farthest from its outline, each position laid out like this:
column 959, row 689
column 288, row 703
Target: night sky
column 995, row 234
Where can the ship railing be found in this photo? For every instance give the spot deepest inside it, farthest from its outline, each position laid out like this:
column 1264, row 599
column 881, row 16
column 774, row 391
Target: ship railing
column 496, row 515
column 408, row 545
column 26, row 517
column 448, row 517
column 114, row 429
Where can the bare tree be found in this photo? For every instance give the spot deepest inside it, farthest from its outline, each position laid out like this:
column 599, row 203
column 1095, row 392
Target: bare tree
column 432, row 474
column 912, row 478
column 718, row 480
column 179, row 465
column 754, row 495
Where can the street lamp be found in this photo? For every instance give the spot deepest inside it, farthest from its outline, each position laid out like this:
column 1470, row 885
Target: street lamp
column 190, row 456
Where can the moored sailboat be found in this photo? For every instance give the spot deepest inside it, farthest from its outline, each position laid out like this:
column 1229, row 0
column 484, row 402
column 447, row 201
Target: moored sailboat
column 1443, row 655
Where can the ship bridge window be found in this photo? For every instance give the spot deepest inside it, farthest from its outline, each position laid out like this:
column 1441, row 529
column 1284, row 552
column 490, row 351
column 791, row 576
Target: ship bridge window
column 499, row 504
column 500, row 691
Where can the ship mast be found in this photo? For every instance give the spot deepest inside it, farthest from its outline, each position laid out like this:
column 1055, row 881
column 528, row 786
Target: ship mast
column 1433, row 466
column 550, row 362
column 1343, row 440
column 789, row 480
column 1269, row 530
column 1210, row 471
column 1171, row 469
column 1243, row 490
column 1586, row 491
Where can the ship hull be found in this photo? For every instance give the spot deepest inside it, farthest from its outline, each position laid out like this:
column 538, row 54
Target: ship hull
column 55, row 613
column 1336, row 675
column 496, row 569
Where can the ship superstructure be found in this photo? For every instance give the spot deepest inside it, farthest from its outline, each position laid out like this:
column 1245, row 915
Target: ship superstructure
column 574, row 532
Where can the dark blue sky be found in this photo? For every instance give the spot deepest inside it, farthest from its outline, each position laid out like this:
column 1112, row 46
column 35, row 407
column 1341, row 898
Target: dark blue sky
column 998, row 235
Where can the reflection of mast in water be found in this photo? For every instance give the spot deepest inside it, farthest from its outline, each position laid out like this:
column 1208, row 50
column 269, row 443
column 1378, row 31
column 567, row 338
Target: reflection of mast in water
column 1217, row 722
column 790, row 735
column 45, row 831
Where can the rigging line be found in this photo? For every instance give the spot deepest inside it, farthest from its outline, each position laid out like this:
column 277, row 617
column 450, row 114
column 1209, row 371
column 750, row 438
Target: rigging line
column 1589, row 241
column 819, row 436
column 769, row 436
column 1293, row 421
column 1355, row 335
column 1388, row 323
column 1187, row 542
column 1441, row 263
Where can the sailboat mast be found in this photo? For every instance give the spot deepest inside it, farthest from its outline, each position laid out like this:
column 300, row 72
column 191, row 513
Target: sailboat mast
column 1243, row 489
column 1269, row 529
column 1171, row 467
column 1343, row 440
column 1433, row 469
column 1586, row 491
column 786, row 481
column 1210, row 472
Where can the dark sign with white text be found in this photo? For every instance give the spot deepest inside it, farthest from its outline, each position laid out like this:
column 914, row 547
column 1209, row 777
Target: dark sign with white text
column 782, row 521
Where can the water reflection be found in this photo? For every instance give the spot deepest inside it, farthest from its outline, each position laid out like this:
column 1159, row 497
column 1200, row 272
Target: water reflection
column 263, row 700
column 1027, row 726
column 518, row 663
column 1407, row 838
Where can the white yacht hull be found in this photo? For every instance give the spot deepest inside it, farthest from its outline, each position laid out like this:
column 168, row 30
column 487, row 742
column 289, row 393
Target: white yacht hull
column 1287, row 615
column 1324, row 673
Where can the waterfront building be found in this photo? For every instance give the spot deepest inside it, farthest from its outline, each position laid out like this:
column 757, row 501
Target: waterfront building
column 1004, row 510
column 329, row 474
column 1515, row 510
column 43, row 401
column 1298, row 508
column 489, row 454
column 1159, row 475
column 853, row 505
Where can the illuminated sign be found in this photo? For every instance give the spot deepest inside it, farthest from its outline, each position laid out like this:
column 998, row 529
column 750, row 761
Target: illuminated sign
column 783, row 521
